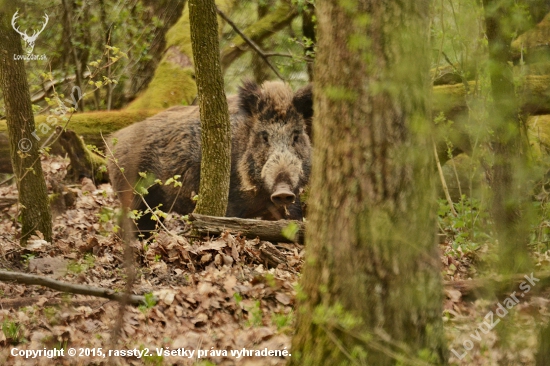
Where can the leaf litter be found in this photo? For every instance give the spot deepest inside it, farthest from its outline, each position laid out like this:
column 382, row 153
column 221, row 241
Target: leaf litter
column 225, row 293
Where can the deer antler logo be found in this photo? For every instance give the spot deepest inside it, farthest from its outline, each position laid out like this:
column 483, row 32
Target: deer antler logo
column 29, row 40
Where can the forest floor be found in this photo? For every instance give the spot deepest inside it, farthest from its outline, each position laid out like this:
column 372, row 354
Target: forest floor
column 216, row 296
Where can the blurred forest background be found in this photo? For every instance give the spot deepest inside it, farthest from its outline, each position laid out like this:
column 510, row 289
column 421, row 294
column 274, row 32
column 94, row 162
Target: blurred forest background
column 151, row 45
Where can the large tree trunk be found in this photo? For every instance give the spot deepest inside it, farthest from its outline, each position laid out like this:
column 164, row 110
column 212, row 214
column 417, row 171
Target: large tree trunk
column 33, row 195
column 371, row 283
column 214, row 112
column 509, row 174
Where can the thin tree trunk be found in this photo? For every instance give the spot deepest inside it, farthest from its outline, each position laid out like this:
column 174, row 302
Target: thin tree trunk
column 308, row 30
column 371, row 288
column 259, row 67
column 214, row 112
column 33, row 195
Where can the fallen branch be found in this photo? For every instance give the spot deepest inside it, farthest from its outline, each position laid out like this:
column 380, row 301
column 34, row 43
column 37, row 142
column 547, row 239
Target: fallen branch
column 499, row 285
column 20, row 302
column 69, row 287
column 271, row 256
column 7, row 201
column 266, row 230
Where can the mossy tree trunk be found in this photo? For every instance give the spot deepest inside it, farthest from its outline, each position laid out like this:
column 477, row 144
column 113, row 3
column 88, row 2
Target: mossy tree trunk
column 25, row 157
column 169, row 11
column 214, row 112
column 508, row 176
column 371, row 288
column 173, row 81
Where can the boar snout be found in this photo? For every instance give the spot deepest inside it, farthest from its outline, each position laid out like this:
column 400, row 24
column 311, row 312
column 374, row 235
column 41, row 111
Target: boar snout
column 282, row 195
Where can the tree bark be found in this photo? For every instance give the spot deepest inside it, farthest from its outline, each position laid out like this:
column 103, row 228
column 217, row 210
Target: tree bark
column 214, row 111
column 371, row 287
column 79, row 54
column 25, row 157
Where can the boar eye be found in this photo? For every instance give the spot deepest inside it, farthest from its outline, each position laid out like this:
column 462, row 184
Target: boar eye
column 265, row 137
column 295, row 137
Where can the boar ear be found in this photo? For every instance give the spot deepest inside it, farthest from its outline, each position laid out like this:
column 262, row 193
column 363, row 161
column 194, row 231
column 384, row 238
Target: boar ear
column 249, row 94
column 303, row 102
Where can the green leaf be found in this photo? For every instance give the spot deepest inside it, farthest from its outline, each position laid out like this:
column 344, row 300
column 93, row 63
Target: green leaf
column 290, row 231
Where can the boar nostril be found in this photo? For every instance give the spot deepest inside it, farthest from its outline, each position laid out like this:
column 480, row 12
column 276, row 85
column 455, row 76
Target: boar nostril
column 283, row 196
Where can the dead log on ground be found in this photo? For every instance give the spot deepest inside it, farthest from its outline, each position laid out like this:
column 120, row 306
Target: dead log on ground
column 282, row 231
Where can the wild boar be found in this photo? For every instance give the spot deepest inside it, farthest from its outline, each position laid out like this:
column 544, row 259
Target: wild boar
column 270, row 155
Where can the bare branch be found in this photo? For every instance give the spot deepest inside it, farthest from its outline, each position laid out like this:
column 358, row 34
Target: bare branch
column 275, row 54
column 250, row 43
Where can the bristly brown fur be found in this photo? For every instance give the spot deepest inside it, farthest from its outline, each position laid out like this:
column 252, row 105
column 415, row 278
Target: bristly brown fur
column 269, row 146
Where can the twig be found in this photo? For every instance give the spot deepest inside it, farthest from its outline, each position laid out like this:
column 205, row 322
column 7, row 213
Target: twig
column 464, row 81
column 69, row 287
column 275, row 54
column 456, row 176
column 250, row 43
column 7, row 179
column 114, row 160
column 7, row 201
column 339, row 345
column 372, row 343
column 443, row 182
